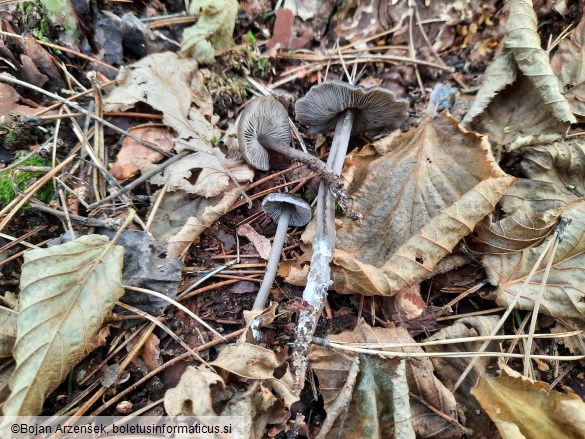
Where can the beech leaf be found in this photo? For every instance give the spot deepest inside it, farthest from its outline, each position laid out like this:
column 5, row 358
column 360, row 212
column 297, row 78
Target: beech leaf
column 66, row 292
column 564, row 294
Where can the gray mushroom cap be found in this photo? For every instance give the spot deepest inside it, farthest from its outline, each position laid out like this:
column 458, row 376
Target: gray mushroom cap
column 263, row 122
column 375, row 108
column 274, row 204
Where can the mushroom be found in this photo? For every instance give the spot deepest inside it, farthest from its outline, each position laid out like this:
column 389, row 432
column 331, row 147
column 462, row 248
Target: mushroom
column 350, row 109
column 264, row 125
column 286, row 210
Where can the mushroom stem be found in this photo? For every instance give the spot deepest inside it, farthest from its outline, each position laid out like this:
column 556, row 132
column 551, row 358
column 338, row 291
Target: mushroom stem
column 273, row 259
column 329, row 176
column 319, row 278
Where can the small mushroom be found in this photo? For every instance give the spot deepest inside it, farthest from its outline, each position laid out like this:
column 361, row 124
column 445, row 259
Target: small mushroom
column 286, row 210
column 350, row 109
column 264, row 125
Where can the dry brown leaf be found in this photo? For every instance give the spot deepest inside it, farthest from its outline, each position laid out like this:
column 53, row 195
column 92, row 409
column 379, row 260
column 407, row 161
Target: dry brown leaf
column 419, row 199
column 283, row 35
column 260, row 243
column 522, row 44
column 521, row 230
column 202, row 174
column 208, row 211
column 66, row 292
column 567, row 63
column 448, row 370
column 6, row 371
column 504, row 119
column 134, row 157
column 7, row 331
column 198, row 391
column 555, row 176
column 374, row 404
column 564, row 294
column 170, row 85
column 526, row 409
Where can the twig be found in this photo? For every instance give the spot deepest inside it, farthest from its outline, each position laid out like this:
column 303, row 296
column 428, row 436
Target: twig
column 88, row 222
column 7, row 78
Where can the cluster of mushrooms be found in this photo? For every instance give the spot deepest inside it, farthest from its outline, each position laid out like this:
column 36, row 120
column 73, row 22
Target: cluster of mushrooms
column 264, row 125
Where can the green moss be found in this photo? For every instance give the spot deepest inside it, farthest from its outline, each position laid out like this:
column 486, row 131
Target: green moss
column 24, row 180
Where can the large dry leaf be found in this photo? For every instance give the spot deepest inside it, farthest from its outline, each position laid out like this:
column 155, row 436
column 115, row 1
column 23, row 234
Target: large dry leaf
column 7, row 331
column 212, row 31
column 66, row 292
column 448, row 370
column 259, row 398
column 522, row 43
column 555, row 176
column 521, row 230
column 419, row 199
column 170, row 85
column 504, row 119
column 567, row 63
column 525, row 409
column 564, row 294
column 375, row 404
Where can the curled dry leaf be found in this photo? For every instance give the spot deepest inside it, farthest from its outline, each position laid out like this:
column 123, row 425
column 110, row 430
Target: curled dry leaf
column 564, row 294
column 555, row 176
column 521, row 230
column 66, row 292
column 7, row 331
column 134, row 157
column 567, row 63
column 419, row 199
column 522, row 52
column 521, row 408
column 259, row 398
column 376, row 403
column 203, row 174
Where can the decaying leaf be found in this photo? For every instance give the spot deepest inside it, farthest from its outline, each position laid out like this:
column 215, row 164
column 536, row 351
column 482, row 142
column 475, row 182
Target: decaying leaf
column 260, row 243
column 203, row 174
column 504, row 119
column 376, row 403
column 448, row 370
column 426, row 191
column 567, row 63
column 260, row 397
column 521, row 230
column 6, row 370
column 564, row 294
column 134, row 157
column 208, row 211
column 7, row 331
column 555, row 176
column 170, row 85
column 66, row 292
column 522, row 44
column 521, row 408
column 282, row 35
column 212, row 31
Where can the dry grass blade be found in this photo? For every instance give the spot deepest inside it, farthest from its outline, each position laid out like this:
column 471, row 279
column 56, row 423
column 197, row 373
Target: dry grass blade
column 175, row 303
